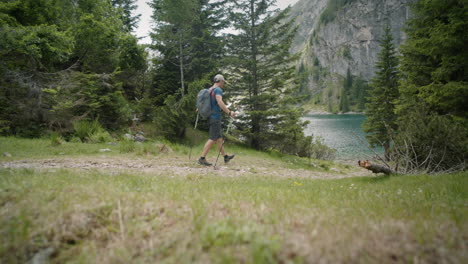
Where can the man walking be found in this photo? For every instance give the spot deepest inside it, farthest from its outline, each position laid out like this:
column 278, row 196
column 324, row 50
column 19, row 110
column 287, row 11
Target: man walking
column 217, row 104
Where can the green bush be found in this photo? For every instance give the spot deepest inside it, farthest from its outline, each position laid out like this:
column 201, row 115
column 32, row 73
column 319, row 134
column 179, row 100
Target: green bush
column 430, row 143
column 100, row 136
column 84, row 129
column 127, row 146
column 176, row 115
column 321, row 151
column 56, row 139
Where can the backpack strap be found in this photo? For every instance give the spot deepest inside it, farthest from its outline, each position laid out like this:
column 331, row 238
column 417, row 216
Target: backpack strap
column 212, row 93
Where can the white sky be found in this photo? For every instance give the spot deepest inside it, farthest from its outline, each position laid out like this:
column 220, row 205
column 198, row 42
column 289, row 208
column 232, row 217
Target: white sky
column 144, row 26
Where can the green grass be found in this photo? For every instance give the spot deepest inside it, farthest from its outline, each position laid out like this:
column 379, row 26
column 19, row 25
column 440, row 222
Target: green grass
column 208, row 216
column 203, row 217
column 21, row 148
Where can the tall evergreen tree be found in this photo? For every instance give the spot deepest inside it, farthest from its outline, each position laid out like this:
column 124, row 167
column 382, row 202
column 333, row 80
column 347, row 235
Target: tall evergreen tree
column 262, row 75
column 126, row 8
column 58, row 61
column 359, row 89
column 348, row 82
column 432, row 110
column 344, row 101
column 174, row 20
column 207, row 42
column 186, row 36
column 380, row 109
column 188, row 40
column 435, row 58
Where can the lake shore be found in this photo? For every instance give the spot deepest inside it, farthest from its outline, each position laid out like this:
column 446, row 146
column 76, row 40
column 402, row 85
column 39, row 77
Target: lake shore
column 321, row 112
column 342, row 132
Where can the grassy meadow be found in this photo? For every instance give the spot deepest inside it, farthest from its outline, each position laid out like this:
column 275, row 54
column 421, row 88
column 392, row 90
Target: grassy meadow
column 199, row 215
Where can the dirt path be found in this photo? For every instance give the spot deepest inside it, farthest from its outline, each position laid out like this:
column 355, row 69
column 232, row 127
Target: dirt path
column 176, row 166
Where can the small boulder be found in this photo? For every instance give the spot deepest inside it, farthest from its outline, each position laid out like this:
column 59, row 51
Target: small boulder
column 6, row 154
column 139, row 138
column 104, row 150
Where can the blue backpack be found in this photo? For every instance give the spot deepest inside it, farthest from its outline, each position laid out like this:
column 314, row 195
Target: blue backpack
column 204, row 102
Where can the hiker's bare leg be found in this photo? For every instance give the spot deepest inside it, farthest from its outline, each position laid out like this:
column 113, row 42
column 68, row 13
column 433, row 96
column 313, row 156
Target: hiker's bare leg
column 220, row 146
column 207, row 147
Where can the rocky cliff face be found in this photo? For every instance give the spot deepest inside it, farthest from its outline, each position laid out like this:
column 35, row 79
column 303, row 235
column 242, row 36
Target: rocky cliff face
column 345, row 35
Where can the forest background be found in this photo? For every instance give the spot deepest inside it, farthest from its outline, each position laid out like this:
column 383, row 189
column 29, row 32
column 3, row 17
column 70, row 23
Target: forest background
column 71, row 66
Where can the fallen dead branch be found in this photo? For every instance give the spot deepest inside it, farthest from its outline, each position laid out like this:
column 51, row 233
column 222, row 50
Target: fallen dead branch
column 375, row 168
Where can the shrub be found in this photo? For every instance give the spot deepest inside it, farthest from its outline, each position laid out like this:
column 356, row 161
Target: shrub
column 56, row 139
column 321, row 151
column 84, row 129
column 100, row 136
column 430, row 143
column 176, row 115
column 127, row 146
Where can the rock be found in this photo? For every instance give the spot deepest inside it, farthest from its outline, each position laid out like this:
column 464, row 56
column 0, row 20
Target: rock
column 43, row 256
column 104, row 150
column 128, row 136
column 350, row 40
column 335, row 170
column 139, row 138
column 6, row 154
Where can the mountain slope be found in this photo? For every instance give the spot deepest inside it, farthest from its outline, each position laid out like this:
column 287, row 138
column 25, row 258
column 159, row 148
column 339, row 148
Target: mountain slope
column 342, row 35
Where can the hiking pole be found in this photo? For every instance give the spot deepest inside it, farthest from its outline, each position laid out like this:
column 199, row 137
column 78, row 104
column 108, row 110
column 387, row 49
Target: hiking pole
column 224, row 140
column 191, row 145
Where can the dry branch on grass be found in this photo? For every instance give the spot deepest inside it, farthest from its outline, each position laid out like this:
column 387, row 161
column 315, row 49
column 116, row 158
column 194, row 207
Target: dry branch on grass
column 375, row 168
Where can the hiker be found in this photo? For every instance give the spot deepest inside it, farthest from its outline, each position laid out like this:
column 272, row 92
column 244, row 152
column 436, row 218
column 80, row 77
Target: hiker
column 217, row 104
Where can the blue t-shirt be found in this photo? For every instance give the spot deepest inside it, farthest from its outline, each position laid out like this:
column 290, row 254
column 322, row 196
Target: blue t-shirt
column 215, row 109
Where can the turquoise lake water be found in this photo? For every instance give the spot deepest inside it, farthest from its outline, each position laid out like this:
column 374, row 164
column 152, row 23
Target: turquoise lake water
column 343, row 133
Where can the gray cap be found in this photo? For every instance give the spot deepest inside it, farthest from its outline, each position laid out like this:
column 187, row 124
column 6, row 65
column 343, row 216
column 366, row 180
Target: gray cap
column 219, row 78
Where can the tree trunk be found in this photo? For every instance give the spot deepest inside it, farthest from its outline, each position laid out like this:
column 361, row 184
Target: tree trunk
column 255, row 118
column 181, row 65
column 375, row 168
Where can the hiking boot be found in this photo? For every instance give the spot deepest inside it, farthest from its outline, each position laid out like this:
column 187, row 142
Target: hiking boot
column 228, row 158
column 202, row 161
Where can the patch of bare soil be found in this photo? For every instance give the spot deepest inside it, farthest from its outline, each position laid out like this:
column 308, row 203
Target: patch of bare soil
column 177, row 166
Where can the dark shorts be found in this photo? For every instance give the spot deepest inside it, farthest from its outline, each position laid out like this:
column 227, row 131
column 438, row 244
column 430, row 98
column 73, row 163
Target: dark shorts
column 215, row 129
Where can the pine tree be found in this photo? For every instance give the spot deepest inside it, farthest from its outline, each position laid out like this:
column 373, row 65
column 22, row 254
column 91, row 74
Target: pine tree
column 348, row 82
column 380, row 110
column 174, row 20
column 360, row 88
column 435, row 58
column 187, row 37
column 59, row 62
column 344, row 102
column 207, row 43
column 262, row 74
column 126, row 8
column 432, row 110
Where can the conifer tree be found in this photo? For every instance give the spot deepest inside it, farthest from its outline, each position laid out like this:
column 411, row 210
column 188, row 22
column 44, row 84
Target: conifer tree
column 432, row 109
column 187, row 37
column 344, row 102
column 262, row 75
column 126, row 7
column 190, row 46
column 380, row 110
column 435, row 58
column 174, row 20
column 58, row 63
